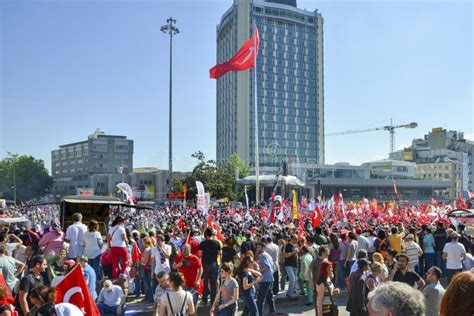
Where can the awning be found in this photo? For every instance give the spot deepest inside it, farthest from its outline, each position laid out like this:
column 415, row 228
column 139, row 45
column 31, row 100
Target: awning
column 463, row 213
column 77, row 199
column 270, row 180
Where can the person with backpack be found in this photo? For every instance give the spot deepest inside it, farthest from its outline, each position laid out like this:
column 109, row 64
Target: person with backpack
column 177, row 302
column 381, row 244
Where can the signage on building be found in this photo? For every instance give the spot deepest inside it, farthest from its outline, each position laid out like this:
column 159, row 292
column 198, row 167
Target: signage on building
column 85, row 191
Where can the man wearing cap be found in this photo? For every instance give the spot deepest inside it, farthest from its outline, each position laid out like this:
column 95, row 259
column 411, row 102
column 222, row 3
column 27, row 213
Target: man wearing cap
column 454, row 253
column 111, row 297
column 74, row 235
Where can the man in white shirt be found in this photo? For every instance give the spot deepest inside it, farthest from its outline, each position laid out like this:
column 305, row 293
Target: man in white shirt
column 454, row 253
column 274, row 251
column 362, row 240
column 74, row 235
column 160, row 257
column 11, row 246
column 111, row 298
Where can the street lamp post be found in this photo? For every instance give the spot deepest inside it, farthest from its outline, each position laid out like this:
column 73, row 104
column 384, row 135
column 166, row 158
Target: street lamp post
column 14, row 183
column 170, row 29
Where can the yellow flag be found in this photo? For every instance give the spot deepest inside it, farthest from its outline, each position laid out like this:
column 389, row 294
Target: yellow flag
column 295, row 205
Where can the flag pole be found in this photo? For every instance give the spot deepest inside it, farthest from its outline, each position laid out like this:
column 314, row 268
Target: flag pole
column 257, row 162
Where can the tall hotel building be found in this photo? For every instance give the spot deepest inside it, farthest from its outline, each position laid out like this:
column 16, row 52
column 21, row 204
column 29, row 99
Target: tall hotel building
column 290, row 89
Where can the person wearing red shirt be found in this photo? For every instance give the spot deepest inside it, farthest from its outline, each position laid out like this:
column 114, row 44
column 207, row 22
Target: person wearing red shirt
column 194, row 243
column 190, row 266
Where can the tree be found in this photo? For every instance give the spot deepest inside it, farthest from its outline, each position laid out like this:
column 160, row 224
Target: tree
column 29, row 174
column 218, row 181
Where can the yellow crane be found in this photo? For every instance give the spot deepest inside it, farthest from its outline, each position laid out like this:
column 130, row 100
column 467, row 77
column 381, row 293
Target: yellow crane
column 390, row 128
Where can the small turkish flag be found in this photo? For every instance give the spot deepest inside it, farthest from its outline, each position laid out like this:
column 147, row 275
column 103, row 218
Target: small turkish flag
column 73, row 289
column 244, row 59
column 136, row 253
column 316, row 218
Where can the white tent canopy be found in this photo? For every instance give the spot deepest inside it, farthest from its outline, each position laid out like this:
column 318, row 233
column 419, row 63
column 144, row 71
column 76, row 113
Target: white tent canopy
column 269, row 180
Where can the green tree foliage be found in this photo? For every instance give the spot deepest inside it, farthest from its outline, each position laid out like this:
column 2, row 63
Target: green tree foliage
column 31, row 176
column 218, row 181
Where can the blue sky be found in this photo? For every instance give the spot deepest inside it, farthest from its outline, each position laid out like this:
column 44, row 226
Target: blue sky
column 69, row 67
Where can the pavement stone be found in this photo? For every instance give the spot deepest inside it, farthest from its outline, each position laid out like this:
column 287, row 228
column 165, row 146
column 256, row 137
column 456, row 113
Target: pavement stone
column 283, row 306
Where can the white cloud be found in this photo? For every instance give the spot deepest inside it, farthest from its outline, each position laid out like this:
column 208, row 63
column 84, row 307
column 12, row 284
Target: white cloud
column 469, row 136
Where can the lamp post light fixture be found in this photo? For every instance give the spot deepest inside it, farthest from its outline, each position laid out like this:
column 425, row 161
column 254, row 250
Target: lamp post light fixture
column 170, row 29
column 13, row 159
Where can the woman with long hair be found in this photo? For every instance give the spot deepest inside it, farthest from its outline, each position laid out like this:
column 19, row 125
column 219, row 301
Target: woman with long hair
column 248, row 278
column 225, row 303
column 91, row 244
column 38, row 296
column 335, row 256
column 326, row 290
column 50, row 308
column 229, row 253
column 145, row 268
column 117, row 242
column 373, row 277
column 177, row 300
column 6, row 309
column 377, row 257
column 457, row 300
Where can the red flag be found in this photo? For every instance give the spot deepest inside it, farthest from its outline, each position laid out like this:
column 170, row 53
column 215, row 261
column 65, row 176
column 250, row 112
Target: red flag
column 214, row 226
column 316, row 217
column 272, row 212
column 136, row 253
column 300, row 230
column 181, row 224
column 244, row 59
column 73, row 289
column 9, row 299
column 188, row 239
column 461, row 203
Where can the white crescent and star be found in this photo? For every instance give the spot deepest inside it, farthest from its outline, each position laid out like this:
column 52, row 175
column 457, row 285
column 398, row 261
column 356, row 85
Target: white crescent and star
column 249, row 55
column 71, row 292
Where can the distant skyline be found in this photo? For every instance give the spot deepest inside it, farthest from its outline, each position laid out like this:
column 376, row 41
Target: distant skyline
column 68, row 68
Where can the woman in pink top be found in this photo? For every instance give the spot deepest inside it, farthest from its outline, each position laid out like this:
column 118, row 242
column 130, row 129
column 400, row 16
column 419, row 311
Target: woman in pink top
column 52, row 242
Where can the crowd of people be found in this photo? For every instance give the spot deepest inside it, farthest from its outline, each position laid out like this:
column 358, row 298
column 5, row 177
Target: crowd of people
column 180, row 260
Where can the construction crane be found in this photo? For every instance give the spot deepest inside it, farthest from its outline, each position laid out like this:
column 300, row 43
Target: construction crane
column 390, row 128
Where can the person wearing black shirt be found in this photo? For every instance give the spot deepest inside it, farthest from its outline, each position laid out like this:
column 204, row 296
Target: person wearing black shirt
column 401, row 273
column 228, row 252
column 209, row 250
column 291, row 266
column 440, row 238
column 28, row 283
column 248, row 244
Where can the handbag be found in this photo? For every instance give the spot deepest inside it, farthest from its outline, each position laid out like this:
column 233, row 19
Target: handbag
column 334, row 309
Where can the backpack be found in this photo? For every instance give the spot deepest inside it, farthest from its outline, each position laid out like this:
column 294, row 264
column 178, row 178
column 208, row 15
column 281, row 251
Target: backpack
column 181, row 313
